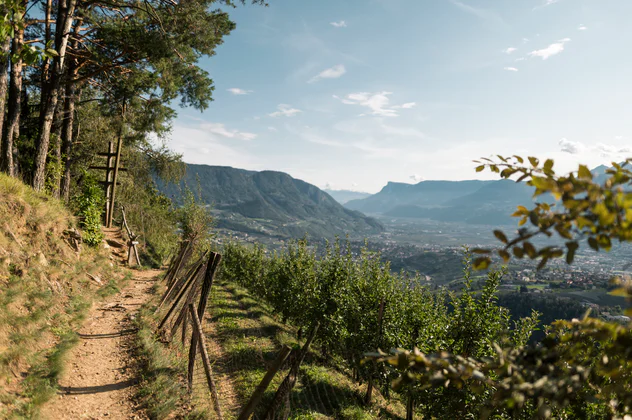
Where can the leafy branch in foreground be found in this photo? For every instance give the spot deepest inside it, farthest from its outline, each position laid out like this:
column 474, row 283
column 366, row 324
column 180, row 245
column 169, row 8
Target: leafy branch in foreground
column 581, row 365
column 584, row 209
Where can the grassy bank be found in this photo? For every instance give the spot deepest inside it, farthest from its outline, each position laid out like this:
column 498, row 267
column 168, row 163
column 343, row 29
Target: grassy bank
column 46, row 290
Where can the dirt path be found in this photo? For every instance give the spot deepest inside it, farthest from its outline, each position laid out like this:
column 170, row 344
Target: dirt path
column 99, row 380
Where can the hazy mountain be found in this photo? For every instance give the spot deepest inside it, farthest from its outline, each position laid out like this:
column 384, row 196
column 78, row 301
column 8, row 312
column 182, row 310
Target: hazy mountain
column 475, row 202
column 271, row 203
column 424, row 194
column 344, row 196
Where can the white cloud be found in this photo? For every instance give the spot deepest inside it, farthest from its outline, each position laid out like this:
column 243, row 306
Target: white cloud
column 339, row 24
column 407, row 105
column 330, row 73
column 509, row 50
column 582, row 28
column 551, row 50
column 545, row 4
column 525, row 40
column 485, row 14
column 285, row 110
column 272, row 129
column 520, row 59
column 569, row 146
column 378, row 103
column 238, row 91
column 221, row 130
column 510, row 69
column 602, row 149
column 416, row 178
column 607, row 150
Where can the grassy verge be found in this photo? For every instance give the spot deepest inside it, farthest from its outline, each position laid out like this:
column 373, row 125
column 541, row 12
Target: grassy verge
column 162, row 391
column 248, row 339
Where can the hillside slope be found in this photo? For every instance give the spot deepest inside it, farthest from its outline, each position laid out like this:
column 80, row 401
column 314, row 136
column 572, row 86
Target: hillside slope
column 46, row 288
column 271, row 203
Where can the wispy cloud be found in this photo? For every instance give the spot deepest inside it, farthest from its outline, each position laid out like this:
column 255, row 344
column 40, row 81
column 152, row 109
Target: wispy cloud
column 221, row 130
column 272, row 129
column 604, row 150
column 546, row 3
column 582, row 28
column 238, row 91
column 485, row 14
column 378, row 103
column 509, row 50
column 285, row 110
column 551, row 50
column 330, row 73
column 510, row 69
column 520, row 59
column 339, row 24
column 569, row 146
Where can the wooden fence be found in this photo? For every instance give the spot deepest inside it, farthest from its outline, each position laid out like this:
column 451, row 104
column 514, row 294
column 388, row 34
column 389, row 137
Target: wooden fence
column 189, row 282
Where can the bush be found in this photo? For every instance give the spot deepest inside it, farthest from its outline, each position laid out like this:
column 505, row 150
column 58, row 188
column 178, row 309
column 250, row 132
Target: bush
column 90, row 205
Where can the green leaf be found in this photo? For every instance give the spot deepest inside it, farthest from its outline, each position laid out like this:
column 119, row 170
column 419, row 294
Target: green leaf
column 504, row 255
column 593, row 243
column 584, row 172
column 480, row 168
column 534, row 161
column 481, row 263
column 572, row 248
column 500, row 236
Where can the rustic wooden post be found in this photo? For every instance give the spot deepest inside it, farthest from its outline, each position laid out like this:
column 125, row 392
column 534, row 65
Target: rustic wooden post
column 184, row 327
column 263, row 385
column 184, row 313
column 369, row 389
column 117, row 160
column 211, row 266
column 410, row 407
column 283, row 392
column 190, row 282
column 197, row 332
column 193, row 271
column 108, row 187
column 131, row 244
column 183, row 253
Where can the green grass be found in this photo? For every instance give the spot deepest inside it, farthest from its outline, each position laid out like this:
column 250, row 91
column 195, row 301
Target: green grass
column 162, row 391
column 250, row 339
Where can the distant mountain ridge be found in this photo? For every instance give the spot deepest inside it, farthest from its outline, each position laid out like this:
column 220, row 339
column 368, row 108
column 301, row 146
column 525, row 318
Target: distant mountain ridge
column 270, row 203
column 344, row 196
column 473, row 201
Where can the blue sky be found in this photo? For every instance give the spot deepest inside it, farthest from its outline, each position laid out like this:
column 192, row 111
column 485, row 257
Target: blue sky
column 352, row 94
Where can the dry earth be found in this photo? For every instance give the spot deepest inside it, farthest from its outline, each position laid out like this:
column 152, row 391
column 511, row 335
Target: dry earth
column 100, row 376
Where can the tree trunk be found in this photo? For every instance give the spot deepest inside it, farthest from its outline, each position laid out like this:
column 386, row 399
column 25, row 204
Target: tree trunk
column 4, row 73
column 55, row 175
column 12, row 124
column 68, row 137
column 68, row 119
column 65, row 15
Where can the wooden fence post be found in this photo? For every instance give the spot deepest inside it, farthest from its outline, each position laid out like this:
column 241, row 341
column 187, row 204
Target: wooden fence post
column 211, row 266
column 194, row 270
column 263, row 385
column 197, row 332
column 191, row 281
column 283, row 392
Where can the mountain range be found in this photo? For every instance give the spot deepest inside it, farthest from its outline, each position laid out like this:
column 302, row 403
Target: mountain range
column 472, row 202
column 344, row 196
column 270, row 203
